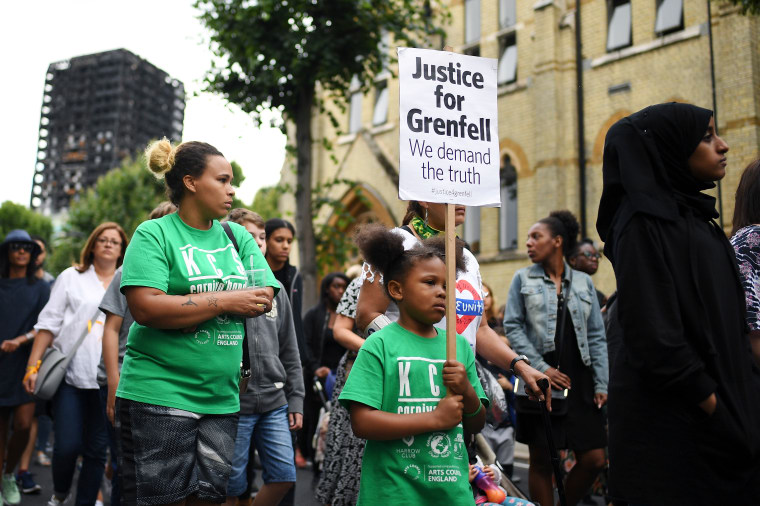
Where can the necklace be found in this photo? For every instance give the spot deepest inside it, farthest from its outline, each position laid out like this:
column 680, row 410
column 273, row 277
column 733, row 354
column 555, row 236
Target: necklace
column 423, row 230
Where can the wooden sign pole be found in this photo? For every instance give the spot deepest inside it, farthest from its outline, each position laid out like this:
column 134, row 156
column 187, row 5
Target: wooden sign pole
column 451, row 284
column 451, row 277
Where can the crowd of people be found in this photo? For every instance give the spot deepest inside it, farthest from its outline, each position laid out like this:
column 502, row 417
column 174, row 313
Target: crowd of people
column 174, row 361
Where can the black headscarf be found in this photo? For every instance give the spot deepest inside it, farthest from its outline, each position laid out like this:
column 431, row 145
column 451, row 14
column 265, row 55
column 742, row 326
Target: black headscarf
column 646, row 167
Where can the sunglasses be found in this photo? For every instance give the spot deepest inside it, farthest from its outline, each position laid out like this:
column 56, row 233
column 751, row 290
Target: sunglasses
column 18, row 246
column 590, row 255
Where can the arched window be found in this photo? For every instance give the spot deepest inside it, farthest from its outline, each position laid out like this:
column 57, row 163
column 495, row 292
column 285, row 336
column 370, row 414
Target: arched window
column 508, row 209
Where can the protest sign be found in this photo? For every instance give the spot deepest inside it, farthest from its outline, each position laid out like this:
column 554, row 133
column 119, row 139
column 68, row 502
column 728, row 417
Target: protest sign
column 449, row 142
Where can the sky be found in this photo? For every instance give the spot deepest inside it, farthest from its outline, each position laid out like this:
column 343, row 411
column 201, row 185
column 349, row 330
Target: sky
column 167, row 33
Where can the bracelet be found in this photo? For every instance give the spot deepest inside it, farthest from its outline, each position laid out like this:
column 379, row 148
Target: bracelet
column 515, row 361
column 470, row 415
column 29, row 335
column 32, row 369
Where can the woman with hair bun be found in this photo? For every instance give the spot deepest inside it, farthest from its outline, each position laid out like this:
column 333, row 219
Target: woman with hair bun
column 185, row 280
column 553, row 318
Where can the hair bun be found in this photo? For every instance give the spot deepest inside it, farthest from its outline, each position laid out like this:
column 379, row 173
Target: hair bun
column 380, row 247
column 569, row 221
column 571, row 229
column 160, row 157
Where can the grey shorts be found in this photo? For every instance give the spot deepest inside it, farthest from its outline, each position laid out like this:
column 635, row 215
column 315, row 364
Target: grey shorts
column 167, row 454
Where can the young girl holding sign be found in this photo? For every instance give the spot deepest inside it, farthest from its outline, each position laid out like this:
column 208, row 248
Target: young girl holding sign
column 396, row 392
column 374, row 310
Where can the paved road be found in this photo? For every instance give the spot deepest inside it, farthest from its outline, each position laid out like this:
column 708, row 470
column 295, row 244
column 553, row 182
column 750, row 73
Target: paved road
column 305, row 485
column 43, row 476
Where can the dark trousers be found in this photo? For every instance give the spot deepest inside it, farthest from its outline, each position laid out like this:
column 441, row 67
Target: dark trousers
column 80, row 429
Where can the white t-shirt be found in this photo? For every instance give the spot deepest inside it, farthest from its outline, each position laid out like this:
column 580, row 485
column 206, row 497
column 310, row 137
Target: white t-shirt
column 73, row 301
column 469, row 293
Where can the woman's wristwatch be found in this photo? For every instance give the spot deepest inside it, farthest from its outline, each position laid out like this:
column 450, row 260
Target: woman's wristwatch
column 515, row 361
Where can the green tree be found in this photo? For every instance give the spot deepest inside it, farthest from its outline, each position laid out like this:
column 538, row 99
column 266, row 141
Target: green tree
column 276, row 51
column 266, row 202
column 64, row 253
column 237, row 179
column 334, row 248
column 748, row 6
column 125, row 195
column 13, row 216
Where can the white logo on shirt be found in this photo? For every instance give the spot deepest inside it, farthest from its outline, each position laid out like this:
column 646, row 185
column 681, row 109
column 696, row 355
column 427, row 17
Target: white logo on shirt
column 272, row 315
column 203, row 267
column 403, row 379
column 202, row 336
column 439, row 444
column 413, row 472
column 192, row 267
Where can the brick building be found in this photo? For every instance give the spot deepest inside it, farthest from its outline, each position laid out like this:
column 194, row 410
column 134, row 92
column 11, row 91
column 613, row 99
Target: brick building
column 634, row 53
column 97, row 110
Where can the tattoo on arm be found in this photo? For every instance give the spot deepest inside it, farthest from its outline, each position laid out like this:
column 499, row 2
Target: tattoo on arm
column 212, row 300
column 189, row 302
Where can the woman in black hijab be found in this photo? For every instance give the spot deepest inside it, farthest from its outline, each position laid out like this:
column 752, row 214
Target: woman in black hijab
column 684, row 393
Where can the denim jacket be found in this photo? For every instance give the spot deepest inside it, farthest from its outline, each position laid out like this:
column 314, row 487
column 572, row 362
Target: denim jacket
column 530, row 319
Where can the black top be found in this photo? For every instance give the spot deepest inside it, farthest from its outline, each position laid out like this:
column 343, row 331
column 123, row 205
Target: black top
column 682, row 318
column 285, row 276
column 323, row 349
column 332, row 352
column 20, row 304
column 582, row 428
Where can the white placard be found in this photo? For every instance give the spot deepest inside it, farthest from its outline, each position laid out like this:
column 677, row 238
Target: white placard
column 449, row 141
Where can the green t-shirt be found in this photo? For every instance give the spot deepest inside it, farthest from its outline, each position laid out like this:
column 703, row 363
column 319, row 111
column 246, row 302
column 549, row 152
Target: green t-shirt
column 400, row 372
column 196, row 371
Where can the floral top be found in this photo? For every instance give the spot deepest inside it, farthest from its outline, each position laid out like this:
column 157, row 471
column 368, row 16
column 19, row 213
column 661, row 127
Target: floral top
column 746, row 243
column 347, row 304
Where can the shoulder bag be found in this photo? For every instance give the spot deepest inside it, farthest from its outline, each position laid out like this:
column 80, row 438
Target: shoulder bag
column 54, row 364
column 498, row 410
column 245, row 366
